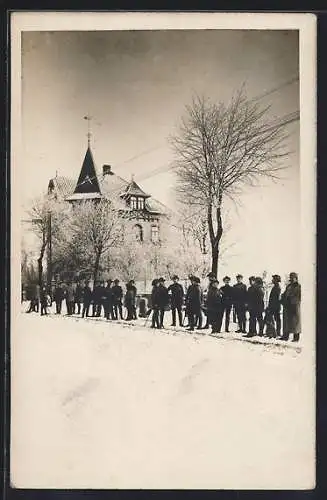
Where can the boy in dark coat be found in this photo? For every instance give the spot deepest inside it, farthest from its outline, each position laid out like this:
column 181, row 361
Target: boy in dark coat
column 108, row 300
column 163, row 300
column 193, row 302
column 291, row 300
column 130, row 301
column 227, row 301
column 239, row 301
column 87, row 298
column 155, row 304
column 117, row 293
column 78, row 298
column 59, row 295
column 214, row 307
column 255, row 301
column 272, row 315
column 177, row 296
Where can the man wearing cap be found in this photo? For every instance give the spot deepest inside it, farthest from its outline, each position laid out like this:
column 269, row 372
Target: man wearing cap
column 255, row 302
column 59, row 295
column 211, row 277
column 193, row 302
column 239, row 301
column 155, row 304
column 177, row 296
column 291, row 300
column 214, row 307
column 227, row 301
column 108, row 300
column 117, row 295
column 272, row 315
column 163, row 300
column 87, row 299
column 198, row 315
column 134, row 290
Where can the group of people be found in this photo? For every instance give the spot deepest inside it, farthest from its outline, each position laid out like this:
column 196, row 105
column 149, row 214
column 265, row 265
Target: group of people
column 218, row 302
column 215, row 305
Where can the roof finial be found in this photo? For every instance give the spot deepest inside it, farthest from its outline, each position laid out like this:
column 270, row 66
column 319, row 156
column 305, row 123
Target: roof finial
column 88, row 118
column 132, row 177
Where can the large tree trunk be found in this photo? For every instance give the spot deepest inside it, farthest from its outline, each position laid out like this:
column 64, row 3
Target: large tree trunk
column 215, row 237
column 40, row 263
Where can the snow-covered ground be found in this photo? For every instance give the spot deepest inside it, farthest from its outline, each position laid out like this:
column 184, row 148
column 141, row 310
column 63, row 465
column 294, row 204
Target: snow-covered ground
column 103, row 405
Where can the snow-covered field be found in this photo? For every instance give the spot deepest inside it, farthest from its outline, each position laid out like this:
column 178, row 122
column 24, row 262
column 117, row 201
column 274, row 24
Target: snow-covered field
column 102, row 405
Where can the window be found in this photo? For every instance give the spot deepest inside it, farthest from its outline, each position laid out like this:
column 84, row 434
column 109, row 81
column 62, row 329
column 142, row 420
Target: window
column 140, row 203
column 133, row 202
column 138, row 232
column 154, row 234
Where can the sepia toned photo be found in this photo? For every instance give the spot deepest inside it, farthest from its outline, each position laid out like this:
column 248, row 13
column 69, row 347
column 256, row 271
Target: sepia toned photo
column 163, row 251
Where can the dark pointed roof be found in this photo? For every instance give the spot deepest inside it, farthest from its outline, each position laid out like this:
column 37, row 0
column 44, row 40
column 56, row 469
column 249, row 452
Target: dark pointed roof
column 88, row 180
column 134, row 189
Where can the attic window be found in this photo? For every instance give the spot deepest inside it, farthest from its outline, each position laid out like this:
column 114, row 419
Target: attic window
column 133, row 202
column 140, row 203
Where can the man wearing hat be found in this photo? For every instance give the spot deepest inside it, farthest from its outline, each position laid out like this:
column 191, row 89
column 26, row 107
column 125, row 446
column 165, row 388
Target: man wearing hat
column 227, row 301
column 133, row 288
column 291, row 300
column 155, row 304
column 272, row 315
column 117, row 296
column 214, row 307
column 198, row 315
column 59, row 295
column 239, row 301
column 108, row 300
column 163, row 300
column 193, row 302
column 211, row 277
column 177, row 295
column 87, row 299
column 255, row 305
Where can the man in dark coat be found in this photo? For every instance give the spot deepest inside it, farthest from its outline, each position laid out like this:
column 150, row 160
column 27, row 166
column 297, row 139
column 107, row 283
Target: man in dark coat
column 163, row 300
column 117, row 293
column 87, row 299
column 215, row 307
column 69, row 295
column 239, row 301
column 193, row 302
column 59, row 295
column 272, row 315
column 227, row 301
column 198, row 316
column 211, row 277
column 291, row 300
column 255, row 302
column 78, row 298
column 96, row 298
column 134, row 290
column 177, row 296
column 108, row 300
column 43, row 301
column 155, row 304
column 130, row 301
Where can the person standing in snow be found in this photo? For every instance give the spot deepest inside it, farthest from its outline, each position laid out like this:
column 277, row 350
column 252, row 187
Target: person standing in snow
column 291, row 300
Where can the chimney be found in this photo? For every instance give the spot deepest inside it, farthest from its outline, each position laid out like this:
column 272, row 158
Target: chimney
column 106, row 170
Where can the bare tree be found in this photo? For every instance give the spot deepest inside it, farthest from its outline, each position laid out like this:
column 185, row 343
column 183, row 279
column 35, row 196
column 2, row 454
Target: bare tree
column 219, row 149
column 97, row 227
column 47, row 219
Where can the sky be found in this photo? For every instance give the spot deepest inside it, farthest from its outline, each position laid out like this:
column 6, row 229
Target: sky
column 135, row 85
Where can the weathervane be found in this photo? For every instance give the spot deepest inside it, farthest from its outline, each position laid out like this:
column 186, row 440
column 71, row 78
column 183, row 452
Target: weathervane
column 88, row 118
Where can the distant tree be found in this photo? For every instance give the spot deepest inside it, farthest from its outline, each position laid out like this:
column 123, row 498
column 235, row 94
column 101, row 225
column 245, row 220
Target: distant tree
column 97, row 227
column 48, row 218
column 219, row 148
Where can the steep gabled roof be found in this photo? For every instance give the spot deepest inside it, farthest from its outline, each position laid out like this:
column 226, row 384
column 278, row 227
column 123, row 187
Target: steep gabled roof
column 134, row 189
column 88, row 180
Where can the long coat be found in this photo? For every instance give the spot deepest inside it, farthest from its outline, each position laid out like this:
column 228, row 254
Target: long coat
column 291, row 300
column 177, row 294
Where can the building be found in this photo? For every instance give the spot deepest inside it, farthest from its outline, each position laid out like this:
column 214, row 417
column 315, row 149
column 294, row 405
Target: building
column 149, row 217
column 147, row 220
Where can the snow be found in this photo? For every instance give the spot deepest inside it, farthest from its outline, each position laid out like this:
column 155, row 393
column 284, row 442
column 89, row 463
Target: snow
column 103, row 405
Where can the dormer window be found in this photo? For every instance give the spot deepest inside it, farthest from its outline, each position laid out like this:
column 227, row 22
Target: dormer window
column 137, row 203
column 140, row 203
column 133, row 202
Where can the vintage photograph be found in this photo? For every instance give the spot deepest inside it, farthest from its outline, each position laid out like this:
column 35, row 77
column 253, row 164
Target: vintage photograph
column 159, row 335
